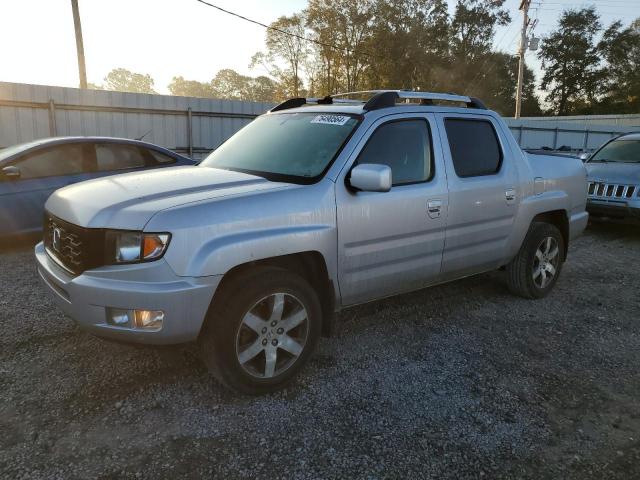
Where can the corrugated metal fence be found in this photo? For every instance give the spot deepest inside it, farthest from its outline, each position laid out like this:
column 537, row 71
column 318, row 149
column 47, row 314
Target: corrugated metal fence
column 556, row 133
column 196, row 126
column 193, row 126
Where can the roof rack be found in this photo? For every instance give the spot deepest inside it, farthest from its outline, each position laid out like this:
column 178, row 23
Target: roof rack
column 382, row 99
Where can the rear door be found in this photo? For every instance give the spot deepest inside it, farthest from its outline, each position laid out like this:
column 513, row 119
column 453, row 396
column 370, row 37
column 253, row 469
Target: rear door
column 483, row 195
column 42, row 172
column 390, row 242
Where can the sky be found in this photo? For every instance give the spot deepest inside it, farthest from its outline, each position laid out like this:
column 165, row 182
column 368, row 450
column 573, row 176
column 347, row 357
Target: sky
column 166, row 38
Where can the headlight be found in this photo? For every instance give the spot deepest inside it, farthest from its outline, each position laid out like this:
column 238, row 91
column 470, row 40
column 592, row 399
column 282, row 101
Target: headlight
column 125, row 246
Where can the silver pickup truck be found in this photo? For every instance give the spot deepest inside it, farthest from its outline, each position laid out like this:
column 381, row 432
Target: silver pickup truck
column 313, row 207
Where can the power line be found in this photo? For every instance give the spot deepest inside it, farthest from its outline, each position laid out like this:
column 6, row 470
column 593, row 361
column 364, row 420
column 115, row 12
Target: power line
column 284, row 32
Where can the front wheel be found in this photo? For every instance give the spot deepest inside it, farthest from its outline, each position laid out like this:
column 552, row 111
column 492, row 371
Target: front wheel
column 263, row 330
column 535, row 270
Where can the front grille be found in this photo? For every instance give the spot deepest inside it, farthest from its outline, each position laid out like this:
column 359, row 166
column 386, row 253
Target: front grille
column 75, row 248
column 611, row 190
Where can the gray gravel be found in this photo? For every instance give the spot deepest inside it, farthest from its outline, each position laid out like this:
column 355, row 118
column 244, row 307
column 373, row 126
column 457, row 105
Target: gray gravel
column 457, row 381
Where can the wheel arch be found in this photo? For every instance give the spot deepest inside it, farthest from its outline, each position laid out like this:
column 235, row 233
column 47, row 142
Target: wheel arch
column 560, row 220
column 310, row 265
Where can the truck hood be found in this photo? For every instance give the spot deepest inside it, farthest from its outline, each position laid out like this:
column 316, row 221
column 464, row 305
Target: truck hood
column 617, row 173
column 128, row 201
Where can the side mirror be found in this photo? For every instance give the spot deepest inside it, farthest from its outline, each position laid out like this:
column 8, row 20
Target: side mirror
column 370, row 177
column 10, row 173
column 584, row 156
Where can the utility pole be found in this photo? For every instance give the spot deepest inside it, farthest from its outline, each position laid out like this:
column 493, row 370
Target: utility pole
column 82, row 69
column 524, row 6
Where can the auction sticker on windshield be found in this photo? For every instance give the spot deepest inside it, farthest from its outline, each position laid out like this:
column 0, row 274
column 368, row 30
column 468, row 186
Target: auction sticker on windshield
column 331, row 119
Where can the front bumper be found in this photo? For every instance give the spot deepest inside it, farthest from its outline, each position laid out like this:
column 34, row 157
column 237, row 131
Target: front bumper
column 623, row 211
column 148, row 286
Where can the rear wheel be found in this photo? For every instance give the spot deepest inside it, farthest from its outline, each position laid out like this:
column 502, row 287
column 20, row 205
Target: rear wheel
column 262, row 331
column 535, row 270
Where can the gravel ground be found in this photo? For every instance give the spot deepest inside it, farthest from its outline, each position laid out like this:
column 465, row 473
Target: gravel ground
column 457, row 381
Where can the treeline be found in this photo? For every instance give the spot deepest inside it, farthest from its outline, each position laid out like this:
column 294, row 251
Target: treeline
column 589, row 69
column 348, row 45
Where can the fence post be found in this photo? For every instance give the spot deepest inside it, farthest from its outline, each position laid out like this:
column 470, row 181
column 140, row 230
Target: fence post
column 53, row 130
column 555, row 138
column 586, row 140
column 190, row 131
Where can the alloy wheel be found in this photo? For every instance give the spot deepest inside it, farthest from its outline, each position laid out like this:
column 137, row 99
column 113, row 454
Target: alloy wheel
column 545, row 262
column 272, row 335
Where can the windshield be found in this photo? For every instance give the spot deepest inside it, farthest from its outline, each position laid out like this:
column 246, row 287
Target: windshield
column 623, row 151
column 293, row 146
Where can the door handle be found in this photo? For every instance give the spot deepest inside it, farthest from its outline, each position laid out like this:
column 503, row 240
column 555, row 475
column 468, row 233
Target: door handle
column 434, row 208
column 510, row 196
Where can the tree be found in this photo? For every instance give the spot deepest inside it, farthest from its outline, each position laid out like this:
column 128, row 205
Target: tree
column 410, row 41
column 570, row 62
column 190, row 88
column 122, row 80
column 262, row 89
column 473, row 27
column 620, row 49
column 471, row 33
column 286, row 53
column 231, row 85
column 496, row 85
column 342, row 29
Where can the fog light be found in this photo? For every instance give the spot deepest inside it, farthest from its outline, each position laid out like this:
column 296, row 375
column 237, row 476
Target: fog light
column 149, row 319
column 120, row 318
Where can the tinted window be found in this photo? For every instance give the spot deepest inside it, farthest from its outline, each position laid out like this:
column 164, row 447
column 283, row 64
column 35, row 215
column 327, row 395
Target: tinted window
column 290, row 144
column 474, row 147
column 405, row 146
column 55, row 161
column 119, row 157
column 625, row 151
column 160, row 158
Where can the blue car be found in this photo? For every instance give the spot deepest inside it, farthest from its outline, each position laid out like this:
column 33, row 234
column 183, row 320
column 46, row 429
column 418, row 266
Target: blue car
column 32, row 171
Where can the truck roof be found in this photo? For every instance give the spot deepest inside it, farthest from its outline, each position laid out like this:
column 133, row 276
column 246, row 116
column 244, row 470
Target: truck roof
column 371, row 100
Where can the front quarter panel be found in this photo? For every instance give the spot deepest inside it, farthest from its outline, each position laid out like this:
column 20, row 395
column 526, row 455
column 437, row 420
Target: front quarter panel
column 211, row 237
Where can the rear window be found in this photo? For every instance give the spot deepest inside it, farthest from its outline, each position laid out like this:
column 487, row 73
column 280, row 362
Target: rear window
column 474, row 146
column 111, row 156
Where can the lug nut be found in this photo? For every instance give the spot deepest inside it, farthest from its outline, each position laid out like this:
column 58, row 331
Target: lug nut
column 274, row 342
column 264, row 342
column 274, row 323
column 280, row 331
column 264, row 330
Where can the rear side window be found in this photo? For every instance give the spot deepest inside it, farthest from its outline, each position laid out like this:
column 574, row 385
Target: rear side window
column 55, row 161
column 119, row 157
column 160, row 158
column 474, row 147
column 403, row 145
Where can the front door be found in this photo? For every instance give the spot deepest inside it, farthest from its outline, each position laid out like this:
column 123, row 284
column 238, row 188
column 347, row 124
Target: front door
column 390, row 242
column 42, row 172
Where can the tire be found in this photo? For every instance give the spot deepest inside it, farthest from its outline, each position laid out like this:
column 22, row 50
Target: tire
column 535, row 270
column 261, row 330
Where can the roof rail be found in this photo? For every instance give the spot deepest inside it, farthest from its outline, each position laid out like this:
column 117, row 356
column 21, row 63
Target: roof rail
column 382, row 99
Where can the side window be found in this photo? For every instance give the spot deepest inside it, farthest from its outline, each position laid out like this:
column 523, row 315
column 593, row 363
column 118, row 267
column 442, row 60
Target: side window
column 118, row 157
column 474, row 147
column 160, row 158
column 403, row 145
column 55, row 161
